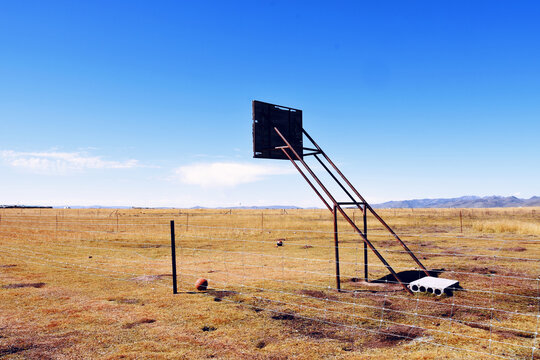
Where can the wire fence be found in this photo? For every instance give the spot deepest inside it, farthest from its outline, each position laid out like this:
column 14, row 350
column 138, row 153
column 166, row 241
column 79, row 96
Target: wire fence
column 495, row 314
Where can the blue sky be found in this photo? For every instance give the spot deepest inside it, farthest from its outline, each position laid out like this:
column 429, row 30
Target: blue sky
column 149, row 103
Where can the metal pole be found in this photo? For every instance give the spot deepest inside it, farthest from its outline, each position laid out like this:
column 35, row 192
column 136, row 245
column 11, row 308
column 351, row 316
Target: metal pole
column 364, row 201
column 173, row 258
column 365, row 247
column 343, row 213
column 336, row 245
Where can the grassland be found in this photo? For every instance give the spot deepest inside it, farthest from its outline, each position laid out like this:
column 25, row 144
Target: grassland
column 91, row 283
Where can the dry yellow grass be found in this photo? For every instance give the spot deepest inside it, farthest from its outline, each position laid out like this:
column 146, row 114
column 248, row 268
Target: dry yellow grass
column 96, row 284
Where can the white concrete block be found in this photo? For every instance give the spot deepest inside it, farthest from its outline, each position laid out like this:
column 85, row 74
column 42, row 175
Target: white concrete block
column 434, row 285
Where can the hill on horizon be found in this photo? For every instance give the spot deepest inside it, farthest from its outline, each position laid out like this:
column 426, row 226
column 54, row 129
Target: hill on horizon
column 462, row 202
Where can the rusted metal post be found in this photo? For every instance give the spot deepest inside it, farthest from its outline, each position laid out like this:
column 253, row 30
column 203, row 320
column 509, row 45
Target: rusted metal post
column 336, row 205
column 461, row 221
column 362, row 200
column 173, row 258
column 336, row 246
column 187, row 221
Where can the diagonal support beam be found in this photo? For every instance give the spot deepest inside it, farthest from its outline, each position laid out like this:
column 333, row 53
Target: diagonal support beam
column 411, row 254
column 335, row 204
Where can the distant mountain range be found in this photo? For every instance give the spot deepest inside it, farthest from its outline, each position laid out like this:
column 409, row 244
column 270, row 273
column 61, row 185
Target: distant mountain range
column 462, row 202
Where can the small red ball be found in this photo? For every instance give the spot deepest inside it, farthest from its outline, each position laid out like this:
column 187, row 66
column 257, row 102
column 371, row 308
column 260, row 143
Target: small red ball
column 201, row 284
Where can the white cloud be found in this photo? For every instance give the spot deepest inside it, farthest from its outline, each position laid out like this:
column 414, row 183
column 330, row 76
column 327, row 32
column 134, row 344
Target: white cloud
column 226, row 174
column 61, row 162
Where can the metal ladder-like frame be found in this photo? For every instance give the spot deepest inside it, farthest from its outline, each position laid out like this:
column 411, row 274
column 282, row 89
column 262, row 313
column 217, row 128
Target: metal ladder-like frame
column 335, row 206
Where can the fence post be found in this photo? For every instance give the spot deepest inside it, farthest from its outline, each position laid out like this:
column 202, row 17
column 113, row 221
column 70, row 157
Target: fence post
column 173, row 258
column 366, row 278
column 336, row 249
column 461, row 221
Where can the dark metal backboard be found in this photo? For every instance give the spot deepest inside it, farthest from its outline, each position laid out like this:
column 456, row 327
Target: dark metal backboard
column 265, row 139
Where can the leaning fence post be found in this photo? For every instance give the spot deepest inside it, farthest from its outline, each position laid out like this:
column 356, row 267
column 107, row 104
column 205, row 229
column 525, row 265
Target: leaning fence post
column 173, row 258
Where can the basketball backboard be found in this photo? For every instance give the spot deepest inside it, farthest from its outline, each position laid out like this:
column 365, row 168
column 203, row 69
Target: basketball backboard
column 265, row 139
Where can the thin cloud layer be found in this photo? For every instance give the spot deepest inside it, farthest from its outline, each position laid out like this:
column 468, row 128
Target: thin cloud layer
column 226, row 174
column 61, row 162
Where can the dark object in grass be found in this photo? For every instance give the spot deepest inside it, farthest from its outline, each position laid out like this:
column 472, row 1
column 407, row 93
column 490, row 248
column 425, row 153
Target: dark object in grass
column 208, row 328
column 283, row 317
column 408, row 276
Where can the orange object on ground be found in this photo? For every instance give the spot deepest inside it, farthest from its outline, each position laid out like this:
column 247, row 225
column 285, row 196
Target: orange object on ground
column 201, row 284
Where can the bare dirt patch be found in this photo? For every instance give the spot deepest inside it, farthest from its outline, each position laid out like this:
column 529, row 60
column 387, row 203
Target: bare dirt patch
column 506, row 333
column 13, row 349
column 361, row 285
column 24, row 285
column 220, row 294
column 148, row 278
column 392, row 335
column 517, row 249
column 125, row 301
column 138, row 322
column 317, row 294
column 32, row 345
column 7, row 266
column 315, row 329
column 146, row 246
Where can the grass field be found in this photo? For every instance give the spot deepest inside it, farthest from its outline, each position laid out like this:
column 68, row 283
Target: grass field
column 96, row 283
